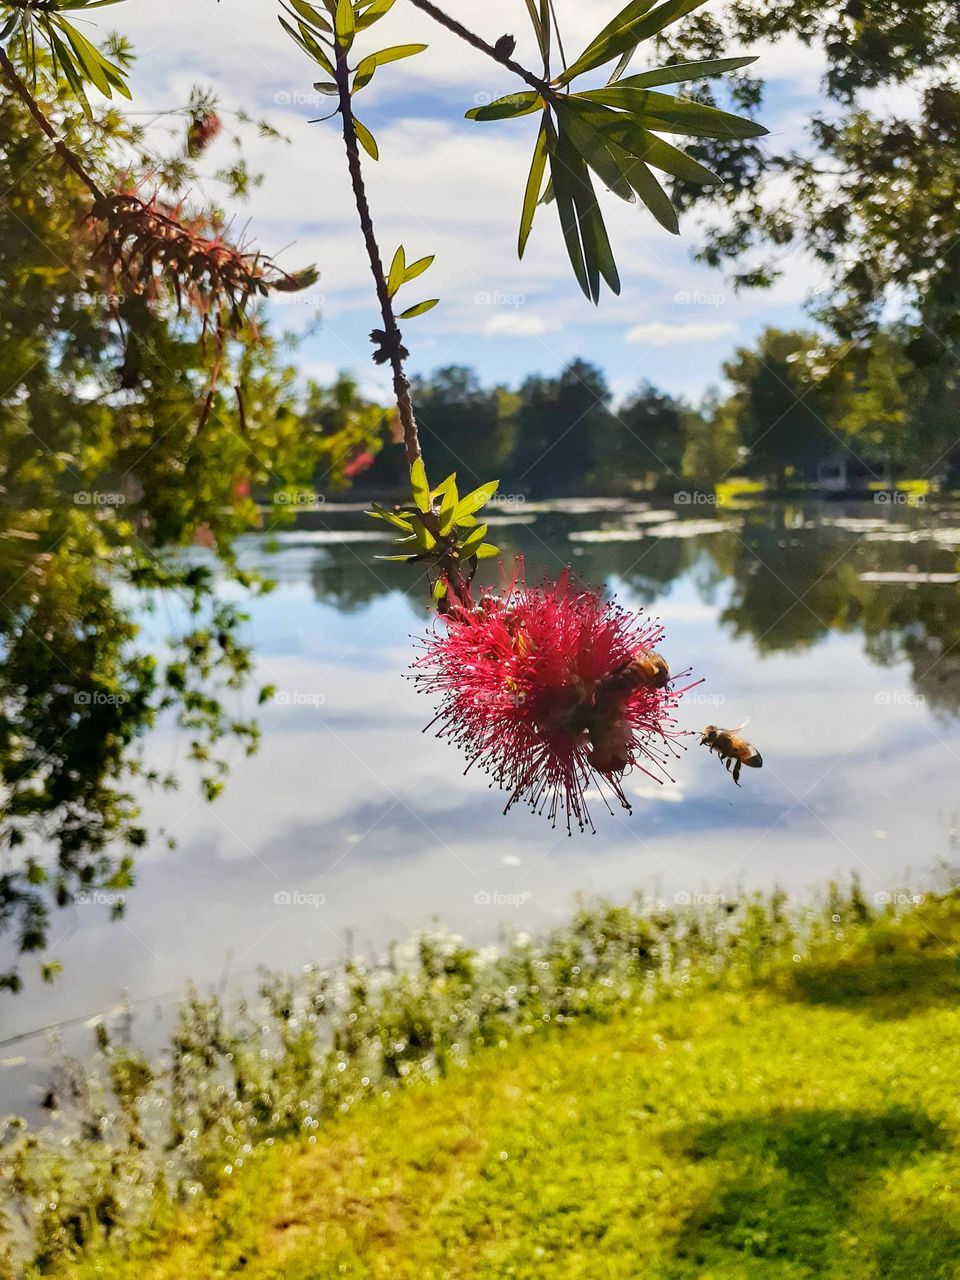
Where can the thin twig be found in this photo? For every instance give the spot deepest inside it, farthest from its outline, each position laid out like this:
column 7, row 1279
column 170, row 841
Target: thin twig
column 458, row 29
column 401, row 384
column 63, row 151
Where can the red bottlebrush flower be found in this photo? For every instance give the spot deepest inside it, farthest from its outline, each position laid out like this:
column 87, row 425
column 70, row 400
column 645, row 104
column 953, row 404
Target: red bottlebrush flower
column 202, row 130
column 550, row 689
column 359, row 463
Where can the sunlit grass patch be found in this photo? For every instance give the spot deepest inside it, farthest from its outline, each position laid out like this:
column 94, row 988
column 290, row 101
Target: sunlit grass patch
column 790, row 1120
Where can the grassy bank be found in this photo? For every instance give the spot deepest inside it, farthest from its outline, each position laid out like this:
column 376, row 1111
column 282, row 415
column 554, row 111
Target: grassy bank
column 767, row 1116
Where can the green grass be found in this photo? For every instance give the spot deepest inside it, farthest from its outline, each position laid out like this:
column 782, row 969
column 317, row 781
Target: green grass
column 807, row 1128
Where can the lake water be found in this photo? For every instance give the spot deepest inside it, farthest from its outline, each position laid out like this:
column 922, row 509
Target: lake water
column 351, row 827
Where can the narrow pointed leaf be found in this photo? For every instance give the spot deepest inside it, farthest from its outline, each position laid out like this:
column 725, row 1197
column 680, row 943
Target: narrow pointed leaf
column 344, row 23
column 471, row 542
column 531, row 195
column 633, row 138
column 566, row 210
column 366, row 139
column 419, row 309
column 397, row 267
column 634, row 24
column 681, row 72
column 514, row 104
column 373, row 13
column 418, row 486
column 474, row 500
column 311, row 15
column 593, row 147
column 448, row 507
column 607, row 44
column 417, row 268
column 668, row 114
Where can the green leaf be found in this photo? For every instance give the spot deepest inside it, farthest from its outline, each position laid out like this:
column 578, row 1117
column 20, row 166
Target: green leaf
column 473, row 501
column 310, row 46
column 620, row 68
column 600, row 49
column 636, row 172
column 369, row 64
column 397, row 268
column 417, row 268
column 486, row 550
column 646, row 146
column 680, row 72
column 448, row 506
column 571, row 171
column 397, row 51
column 531, row 195
column 653, row 196
column 373, row 13
column 402, row 559
column 418, row 485
column 366, row 139
column 668, row 114
column 634, row 24
column 425, row 539
column 543, row 36
column 344, row 23
column 514, row 104
column 391, row 518
column 566, row 210
column 439, row 589
column 91, row 61
column 471, row 542
column 311, row 15
column 593, row 147
column 419, row 309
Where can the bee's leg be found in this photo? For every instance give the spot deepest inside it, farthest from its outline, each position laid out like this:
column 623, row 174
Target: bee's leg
column 736, row 772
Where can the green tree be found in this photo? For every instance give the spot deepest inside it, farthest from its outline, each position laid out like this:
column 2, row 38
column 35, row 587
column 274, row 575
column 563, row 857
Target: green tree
column 873, row 193
column 711, row 441
column 342, row 430
column 646, row 443
column 785, row 395
column 470, row 428
column 561, row 425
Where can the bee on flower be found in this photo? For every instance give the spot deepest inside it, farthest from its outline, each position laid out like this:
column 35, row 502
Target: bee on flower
column 551, row 690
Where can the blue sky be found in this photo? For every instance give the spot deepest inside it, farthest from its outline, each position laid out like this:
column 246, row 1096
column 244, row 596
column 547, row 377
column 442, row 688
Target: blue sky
column 452, row 187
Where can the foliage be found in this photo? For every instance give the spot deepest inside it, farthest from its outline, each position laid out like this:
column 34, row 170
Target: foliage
column 716, row 1035
column 343, row 430
column 613, row 131
column 115, row 449
column 872, row 195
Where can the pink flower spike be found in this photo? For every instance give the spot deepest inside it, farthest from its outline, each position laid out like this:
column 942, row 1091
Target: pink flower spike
column 551, row 689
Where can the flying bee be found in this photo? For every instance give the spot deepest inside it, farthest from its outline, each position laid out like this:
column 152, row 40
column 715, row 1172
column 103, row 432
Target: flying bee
column 645, row 670
column 733, row 749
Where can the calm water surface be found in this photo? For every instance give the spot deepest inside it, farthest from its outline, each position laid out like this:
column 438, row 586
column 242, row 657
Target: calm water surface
column 350, row 827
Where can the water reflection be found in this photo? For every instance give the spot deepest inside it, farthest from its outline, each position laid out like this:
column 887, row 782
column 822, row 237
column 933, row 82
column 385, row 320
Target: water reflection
column 852, row 684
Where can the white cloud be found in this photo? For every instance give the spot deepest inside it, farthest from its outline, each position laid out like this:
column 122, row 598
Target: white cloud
column 516, row 325
column 668, row 335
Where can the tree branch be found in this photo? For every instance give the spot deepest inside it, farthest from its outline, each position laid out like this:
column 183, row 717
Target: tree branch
column 392, row 346
column 63, row 151
column 458, row 29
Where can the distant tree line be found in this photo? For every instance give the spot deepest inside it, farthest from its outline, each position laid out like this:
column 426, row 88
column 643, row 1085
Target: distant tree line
column 794, row 406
